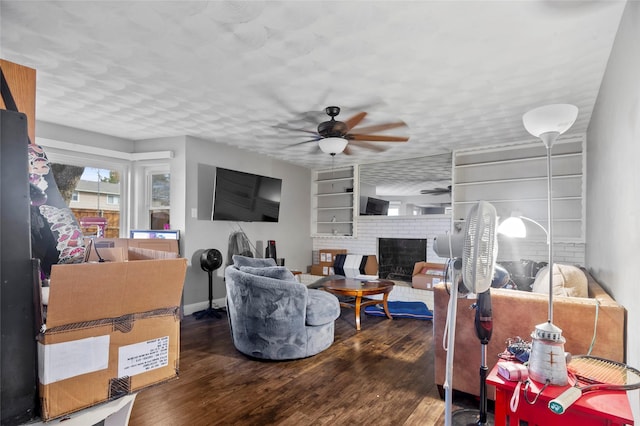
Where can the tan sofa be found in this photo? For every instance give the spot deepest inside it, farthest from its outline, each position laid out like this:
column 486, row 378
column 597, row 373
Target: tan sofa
column 516, row 313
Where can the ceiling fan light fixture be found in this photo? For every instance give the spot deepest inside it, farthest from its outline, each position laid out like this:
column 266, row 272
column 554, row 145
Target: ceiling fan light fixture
column 332, row 145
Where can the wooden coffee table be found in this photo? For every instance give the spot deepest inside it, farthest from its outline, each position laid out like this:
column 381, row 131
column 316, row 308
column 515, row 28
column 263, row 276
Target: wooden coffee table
column 358, row 289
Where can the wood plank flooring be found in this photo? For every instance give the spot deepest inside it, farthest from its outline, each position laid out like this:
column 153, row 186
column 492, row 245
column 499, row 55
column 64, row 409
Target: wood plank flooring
column 382, row 374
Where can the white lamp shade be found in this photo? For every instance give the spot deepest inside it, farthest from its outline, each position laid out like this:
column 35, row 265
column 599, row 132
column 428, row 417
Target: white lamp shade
column 513, row 227
column 332, row 145
column 556, row 118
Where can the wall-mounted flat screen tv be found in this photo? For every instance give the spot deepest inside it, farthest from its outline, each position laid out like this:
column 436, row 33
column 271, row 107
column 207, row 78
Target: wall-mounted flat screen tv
column 246, row 197
column 376, row 206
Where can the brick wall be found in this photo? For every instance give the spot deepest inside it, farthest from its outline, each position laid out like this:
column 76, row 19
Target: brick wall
column 369, row 229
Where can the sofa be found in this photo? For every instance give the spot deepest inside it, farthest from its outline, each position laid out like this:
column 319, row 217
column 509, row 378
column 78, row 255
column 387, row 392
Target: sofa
column 515, row 314
column 272, row 316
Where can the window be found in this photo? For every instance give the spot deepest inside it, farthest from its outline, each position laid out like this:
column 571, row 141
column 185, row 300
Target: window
column 90, row 189
column 159, row 203
column 394, row 208
column 107, row 183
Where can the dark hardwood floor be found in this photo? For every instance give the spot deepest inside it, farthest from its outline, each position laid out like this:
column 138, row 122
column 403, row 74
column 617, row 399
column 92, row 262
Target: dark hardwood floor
column 382, row 374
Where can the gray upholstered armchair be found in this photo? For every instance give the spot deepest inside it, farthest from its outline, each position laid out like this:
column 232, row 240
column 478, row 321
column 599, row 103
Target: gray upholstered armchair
column 272, row 315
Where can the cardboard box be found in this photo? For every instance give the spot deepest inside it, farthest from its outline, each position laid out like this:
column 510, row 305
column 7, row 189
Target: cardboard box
column 316, row 270
column 371, row 267
column 158, row 244
column 112, row 328
column 426, row 275
column 328, row 256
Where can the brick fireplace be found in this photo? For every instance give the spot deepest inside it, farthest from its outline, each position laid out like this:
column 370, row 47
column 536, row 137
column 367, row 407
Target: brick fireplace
column 397, row 257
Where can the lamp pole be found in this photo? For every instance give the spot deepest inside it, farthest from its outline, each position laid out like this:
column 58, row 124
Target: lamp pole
column 548, row 139
column 547, row 363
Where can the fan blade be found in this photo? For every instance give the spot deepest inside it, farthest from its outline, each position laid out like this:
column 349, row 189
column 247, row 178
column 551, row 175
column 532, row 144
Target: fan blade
column 376, row 138
column 436, row 191
column 347, row 150
column 377, row 148
column 355, row 120
column 294, row 129
column 307, row 141
column 381, row 127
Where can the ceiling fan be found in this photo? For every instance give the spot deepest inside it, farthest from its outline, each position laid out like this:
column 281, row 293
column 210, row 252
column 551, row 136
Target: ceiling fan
column 334, row 136
column 436, row 191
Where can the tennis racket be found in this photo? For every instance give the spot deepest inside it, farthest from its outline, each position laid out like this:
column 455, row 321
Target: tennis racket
column 593, row 373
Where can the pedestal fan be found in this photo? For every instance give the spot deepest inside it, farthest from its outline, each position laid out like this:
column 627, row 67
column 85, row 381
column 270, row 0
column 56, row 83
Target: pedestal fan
column 479, row 252
column 210, row 260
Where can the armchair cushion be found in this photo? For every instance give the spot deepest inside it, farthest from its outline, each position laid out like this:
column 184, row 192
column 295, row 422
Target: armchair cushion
column 322, row 307
column 251, row 261
column 277, row 272
column 568, row 280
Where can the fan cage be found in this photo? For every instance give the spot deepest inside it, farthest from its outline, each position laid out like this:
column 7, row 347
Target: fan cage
column 480, row 247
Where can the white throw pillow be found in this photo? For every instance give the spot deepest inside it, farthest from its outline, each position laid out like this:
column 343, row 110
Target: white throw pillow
column 568, row 280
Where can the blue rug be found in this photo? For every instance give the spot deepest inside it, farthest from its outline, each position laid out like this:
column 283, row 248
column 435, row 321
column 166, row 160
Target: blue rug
column 417, row 310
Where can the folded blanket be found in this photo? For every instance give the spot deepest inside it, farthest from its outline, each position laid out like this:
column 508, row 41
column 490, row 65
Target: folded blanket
column 417, row 310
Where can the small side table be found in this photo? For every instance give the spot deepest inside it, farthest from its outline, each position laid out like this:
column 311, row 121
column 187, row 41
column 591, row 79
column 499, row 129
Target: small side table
column 592, row 409
column 358, row 289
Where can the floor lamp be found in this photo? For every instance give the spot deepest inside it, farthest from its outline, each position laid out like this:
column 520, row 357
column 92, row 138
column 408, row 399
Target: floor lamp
column 546, row 363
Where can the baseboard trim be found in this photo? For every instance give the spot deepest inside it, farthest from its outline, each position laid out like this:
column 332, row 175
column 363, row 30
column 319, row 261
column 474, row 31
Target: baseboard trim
column 198, row 306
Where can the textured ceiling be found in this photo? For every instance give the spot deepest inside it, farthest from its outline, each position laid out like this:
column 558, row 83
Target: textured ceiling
column 460, row 74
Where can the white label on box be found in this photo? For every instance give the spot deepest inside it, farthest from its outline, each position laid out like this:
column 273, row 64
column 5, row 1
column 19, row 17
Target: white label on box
column 61, row 361
column 144, row 356
column 435, row 281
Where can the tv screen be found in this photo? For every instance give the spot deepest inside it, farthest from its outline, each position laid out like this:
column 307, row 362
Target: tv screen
column 246, row 197
column 376, row 206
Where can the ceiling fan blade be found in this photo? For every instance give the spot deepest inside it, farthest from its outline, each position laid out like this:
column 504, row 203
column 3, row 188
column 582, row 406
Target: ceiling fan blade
column 355, row 120
column 376, row 138
column 436, row 191
column 347, row 151
column 307, row 141
column 295, row 129
column 381, row 127
column 377, row 148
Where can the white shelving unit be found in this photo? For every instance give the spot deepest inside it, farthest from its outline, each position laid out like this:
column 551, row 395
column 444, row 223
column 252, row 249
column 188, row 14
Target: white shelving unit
column 334, row 202
column 514, row 179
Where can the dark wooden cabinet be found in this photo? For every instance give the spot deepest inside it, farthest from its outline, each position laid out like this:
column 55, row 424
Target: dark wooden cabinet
column 18, row 388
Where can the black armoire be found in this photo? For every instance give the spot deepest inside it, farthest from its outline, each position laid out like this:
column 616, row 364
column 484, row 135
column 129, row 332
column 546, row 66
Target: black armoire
column 18, row 387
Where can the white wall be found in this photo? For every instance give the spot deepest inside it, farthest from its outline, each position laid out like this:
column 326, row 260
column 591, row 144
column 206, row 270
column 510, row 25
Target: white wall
column 82, row 137
column 291, row 233
column 613, row 180
column 515, row 249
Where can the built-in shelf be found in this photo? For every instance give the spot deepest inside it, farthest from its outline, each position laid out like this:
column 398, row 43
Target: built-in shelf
column 334, row 202
column 514, row 179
